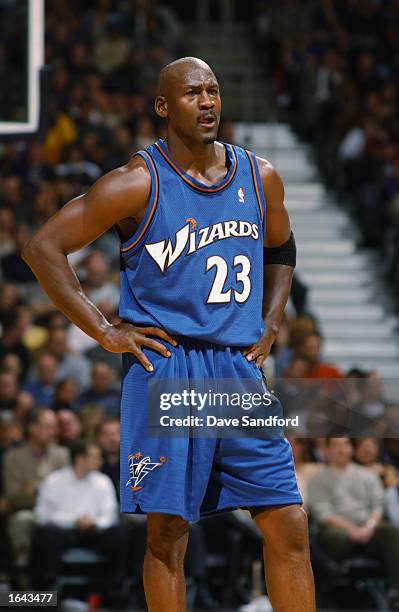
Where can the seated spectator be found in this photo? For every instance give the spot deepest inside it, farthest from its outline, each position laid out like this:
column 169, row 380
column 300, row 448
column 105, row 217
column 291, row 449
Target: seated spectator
column 24, row 468
column 97, row 285
column 9, row 390
column 65, row 395
column 102, row 391
column 12, row 363
column 69, row 427
column 8, row 300
column 15, row 324
column 392, row 504
column 367, row 454
column 10, row 435
column 70, row 365
column 304, row 468
column 13, row 268
column 77, row 506
column 7, row 242
column 346, row 502
column 369, row 411
column 42, row 389
column 309, row 349
column 108, row 439
column 290, row 336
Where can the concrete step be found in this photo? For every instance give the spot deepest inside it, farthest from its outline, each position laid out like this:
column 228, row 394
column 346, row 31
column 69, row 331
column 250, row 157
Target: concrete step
column 358, row 330
column 371, row 313
column 355, row 295
column 334, row 248
column 309, row 234
column 338, row 280
column 275, row 134
column 312, row 263
column 334, row 349
column 314, row 219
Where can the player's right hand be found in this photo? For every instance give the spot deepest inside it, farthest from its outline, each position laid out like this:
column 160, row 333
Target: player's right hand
column 124, row 337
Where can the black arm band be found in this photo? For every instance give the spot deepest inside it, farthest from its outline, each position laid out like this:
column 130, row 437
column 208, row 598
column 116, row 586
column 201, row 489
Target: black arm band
column 284, row 254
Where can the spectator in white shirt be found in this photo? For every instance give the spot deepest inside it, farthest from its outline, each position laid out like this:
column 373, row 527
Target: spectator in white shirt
column 77, row 506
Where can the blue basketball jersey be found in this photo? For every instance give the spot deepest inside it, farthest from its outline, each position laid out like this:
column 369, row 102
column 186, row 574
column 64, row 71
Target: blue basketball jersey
column 194, row 267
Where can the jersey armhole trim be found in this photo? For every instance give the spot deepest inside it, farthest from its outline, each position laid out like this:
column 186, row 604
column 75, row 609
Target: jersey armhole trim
column 145, row 222
column 260, row 196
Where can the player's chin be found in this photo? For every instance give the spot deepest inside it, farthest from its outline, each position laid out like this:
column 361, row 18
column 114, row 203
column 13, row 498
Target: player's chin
column 209, row 139
column 209, row 134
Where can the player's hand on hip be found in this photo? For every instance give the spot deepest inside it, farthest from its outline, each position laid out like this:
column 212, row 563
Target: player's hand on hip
column 124, row 337
column 259, row 351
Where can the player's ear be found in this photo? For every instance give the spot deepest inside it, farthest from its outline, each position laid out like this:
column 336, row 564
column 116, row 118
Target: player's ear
column 161, row 107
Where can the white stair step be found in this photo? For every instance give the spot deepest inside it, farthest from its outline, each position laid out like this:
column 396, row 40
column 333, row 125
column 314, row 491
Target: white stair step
column 272, row 134
column 357, row 330
column 341, row 264
column 335, row 279
column 354, row 295
column 297, row 206
column 320, row 220
column 366, row 349
column 372, row 313
column 337, row 247
column 308, row 234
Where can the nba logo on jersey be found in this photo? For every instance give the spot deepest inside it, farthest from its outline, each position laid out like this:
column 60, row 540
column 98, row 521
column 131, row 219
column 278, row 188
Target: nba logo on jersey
column 241, row 195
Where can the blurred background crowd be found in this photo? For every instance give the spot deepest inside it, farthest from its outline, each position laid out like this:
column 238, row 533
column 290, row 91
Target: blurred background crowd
column 59, row 391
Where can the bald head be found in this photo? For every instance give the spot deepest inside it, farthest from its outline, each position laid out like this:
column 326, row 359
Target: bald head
column 189, row 100
column 181, row 71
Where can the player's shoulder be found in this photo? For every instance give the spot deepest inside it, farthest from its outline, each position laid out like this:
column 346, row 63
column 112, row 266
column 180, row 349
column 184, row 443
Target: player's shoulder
column 266, row 168
column 271, row 180
column 132, row 178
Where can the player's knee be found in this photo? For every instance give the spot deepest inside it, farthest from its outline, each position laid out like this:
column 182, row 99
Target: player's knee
column 167, row 537
column 289, row 534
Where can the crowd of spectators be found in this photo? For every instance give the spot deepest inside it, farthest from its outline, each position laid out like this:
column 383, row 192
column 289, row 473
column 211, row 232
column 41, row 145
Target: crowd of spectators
column 334, row 66
column 59, row 391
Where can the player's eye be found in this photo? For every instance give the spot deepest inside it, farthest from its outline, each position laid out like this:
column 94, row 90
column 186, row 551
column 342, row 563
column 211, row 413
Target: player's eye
column 190, row 92
column 214, row 91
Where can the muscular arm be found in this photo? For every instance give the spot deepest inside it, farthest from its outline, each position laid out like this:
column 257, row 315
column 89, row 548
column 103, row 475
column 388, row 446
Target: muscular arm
column 277, row 278
column 122, row 193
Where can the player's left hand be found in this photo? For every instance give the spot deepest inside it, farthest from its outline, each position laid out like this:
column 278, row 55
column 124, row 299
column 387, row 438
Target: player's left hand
column 260, row 350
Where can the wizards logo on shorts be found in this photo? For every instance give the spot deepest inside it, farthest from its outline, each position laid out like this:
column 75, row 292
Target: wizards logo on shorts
column 139, row 468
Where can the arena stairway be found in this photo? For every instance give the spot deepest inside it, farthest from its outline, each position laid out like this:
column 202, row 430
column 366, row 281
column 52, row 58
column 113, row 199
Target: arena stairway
column 345, row 293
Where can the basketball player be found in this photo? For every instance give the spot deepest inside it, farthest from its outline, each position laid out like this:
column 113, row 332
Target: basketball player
column 197, row 219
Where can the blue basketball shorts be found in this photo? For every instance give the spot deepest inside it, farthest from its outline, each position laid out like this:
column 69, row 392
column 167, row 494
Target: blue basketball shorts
column 193, row 477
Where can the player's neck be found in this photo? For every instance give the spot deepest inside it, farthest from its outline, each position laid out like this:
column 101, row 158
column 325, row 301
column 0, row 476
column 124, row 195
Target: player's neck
column 196, row 156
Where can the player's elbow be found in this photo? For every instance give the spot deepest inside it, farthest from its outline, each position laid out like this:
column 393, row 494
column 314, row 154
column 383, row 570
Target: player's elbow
column 32, row 251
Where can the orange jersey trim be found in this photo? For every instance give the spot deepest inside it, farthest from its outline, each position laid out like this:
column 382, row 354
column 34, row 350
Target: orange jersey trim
column 154, row 206
column 194, row 185
column 256, row 184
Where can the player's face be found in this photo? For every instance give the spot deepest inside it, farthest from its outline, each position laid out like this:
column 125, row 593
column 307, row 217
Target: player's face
column 194, row 106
